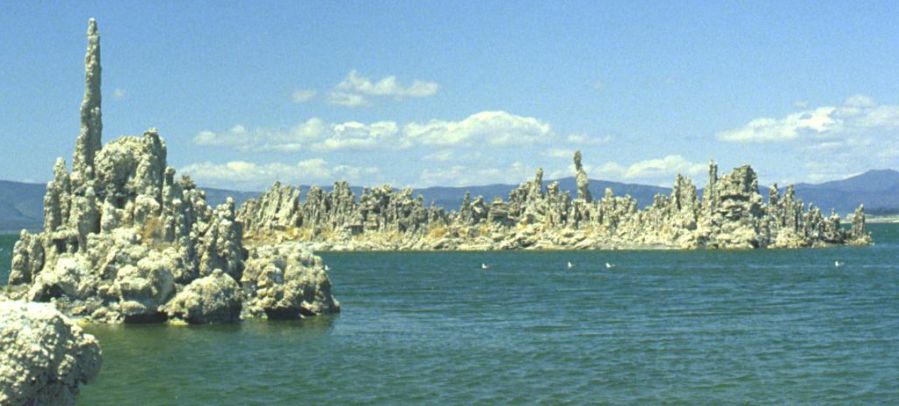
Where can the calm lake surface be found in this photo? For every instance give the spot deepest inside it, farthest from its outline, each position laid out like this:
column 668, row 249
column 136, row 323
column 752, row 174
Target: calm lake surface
column 700, row 327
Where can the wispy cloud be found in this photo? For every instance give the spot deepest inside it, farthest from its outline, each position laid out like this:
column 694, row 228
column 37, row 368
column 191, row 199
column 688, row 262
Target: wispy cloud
column 655, row 171
column 442, row 155
column 253, row 176
column 560, row 153
column 347, row 99
column 587, row 140
column 303, row 95
column 666, row 167
column 463, row 175
column 119, row 93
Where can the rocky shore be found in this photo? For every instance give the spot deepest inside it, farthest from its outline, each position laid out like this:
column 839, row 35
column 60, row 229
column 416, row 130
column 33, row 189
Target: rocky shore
column 43, row 356
column 730, row 214
column 124, row 240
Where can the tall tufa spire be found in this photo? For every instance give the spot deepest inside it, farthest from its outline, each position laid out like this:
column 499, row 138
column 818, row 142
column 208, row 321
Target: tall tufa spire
column 710, row 194
column 90, row 137
column 583, row 183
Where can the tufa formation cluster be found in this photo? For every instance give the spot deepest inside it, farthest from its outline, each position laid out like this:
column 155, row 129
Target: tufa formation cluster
column 125, row 241
column 731, row 214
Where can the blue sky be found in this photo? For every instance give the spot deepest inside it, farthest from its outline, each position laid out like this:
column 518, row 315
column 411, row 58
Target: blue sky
column 462, row 93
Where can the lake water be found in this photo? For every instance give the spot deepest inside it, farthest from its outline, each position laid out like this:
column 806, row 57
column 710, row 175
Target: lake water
column 700, row 327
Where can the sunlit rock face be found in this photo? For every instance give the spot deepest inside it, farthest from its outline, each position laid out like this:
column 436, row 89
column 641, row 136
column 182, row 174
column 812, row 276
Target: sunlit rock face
column 731, row 214
column 122, row 235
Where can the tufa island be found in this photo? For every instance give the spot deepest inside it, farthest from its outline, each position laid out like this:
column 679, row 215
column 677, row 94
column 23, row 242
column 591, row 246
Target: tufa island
column 730, row 215
column 125, row 241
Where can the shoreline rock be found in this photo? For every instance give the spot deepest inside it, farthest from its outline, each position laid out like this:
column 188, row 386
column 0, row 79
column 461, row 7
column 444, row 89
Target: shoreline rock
column 44, row 357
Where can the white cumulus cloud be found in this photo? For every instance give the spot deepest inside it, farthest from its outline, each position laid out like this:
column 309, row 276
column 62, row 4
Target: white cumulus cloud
column 857, row 116
column 493, row 128
column 829, row 142
column 355, row 89
column 355, row 135
column 264, row 140
column 387, row 86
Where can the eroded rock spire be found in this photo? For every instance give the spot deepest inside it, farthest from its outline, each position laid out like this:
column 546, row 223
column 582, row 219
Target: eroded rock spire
column 90, row 137
column 583, row 183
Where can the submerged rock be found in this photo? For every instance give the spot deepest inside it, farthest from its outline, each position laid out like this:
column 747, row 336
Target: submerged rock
column 122, row 236
column 43, row 356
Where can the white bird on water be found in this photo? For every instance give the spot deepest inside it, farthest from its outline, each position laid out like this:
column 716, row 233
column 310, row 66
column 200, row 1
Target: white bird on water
column 327, row 268
column 609, row 266
column 570, row 265
column 837, row 264
column 485, row 266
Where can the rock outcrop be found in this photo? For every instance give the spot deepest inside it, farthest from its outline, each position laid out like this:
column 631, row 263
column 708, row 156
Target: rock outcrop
column 43, row 356
column 215, row 298
column 286, row 282
column 123, row 236
column 731, row 214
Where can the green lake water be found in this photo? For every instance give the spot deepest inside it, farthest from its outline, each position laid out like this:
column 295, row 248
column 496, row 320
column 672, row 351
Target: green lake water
column 687, row 327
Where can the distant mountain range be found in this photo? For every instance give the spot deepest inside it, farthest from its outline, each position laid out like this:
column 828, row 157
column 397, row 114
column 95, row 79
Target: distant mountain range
column 21, row 204
column 878, row 190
